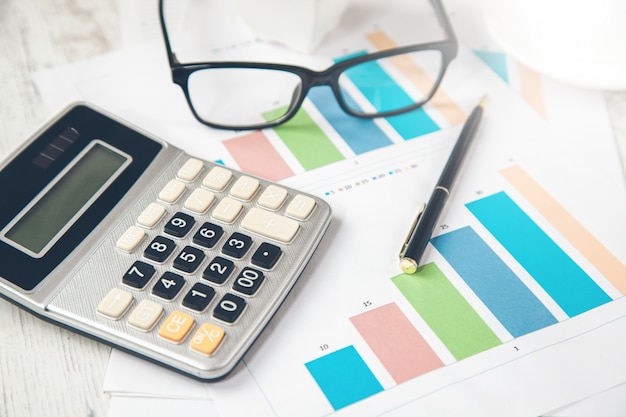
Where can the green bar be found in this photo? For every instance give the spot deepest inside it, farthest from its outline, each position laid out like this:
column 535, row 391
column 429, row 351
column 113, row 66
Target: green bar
column 447, row 313
column 306, row 141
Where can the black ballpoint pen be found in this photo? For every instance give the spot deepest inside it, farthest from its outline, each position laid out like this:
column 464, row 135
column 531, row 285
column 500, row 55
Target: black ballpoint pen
column 423, row 226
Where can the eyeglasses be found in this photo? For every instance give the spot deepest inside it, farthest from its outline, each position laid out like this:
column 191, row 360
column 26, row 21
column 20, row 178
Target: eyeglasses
column 255, row 95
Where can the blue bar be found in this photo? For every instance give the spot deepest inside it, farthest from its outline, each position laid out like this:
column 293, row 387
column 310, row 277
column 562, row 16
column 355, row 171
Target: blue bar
column 504, row 294
column 369, row 78
column 570, row 287
column 344, row 377
column 361, row 135
column 496, row 61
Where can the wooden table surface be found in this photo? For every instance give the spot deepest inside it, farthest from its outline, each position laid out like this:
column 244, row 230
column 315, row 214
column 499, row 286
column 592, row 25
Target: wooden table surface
column 46, row 370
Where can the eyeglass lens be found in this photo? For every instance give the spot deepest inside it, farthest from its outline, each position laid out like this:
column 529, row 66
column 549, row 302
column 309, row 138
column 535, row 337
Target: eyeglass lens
column 242, row 96
column 376, row 87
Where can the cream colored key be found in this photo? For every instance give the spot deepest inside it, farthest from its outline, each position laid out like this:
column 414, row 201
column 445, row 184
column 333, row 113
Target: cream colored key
column 190, row 170
column 273, row 197
column 300, row 207
column 130, row 239
column 151, row 215
column 227, row 210
column 115, row 304
column 172, row 191
column 271, row 225
column 145, row 315
column 217, row 178
column 244, row 188
column 200, row 200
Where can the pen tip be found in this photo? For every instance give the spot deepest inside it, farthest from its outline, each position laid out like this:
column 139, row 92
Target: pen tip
column 483, row 101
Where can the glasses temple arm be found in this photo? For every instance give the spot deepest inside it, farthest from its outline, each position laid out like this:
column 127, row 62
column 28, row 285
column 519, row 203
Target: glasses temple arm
column 442, row 16
column 171, row 56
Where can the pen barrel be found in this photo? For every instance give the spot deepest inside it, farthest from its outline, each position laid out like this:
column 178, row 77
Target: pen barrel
column 411, row 254
column 425, row 226
column 460, row 149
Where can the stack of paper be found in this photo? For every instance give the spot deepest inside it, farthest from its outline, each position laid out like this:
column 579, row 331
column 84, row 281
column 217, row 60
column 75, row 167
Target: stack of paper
column 544, row 173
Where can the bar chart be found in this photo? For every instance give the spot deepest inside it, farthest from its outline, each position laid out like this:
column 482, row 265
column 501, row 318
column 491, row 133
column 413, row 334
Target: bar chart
column 453, row 318
column 525, row 81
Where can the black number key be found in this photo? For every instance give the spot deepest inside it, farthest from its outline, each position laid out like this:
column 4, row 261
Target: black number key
column 138, row 274
column 179, row 225
column 218, row 270
column 199, row 297
column 248, row 281
column 266, row 255
column 229, row 308
column 189, row 259
column 168, row 286
column 237, row 245
column 208, row 235
column 159, row 249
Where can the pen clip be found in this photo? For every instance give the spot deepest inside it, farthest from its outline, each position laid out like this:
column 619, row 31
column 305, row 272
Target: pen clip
column 412, row 230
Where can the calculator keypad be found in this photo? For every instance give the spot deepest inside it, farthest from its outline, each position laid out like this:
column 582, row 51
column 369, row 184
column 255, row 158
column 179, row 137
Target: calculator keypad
column 208, row 259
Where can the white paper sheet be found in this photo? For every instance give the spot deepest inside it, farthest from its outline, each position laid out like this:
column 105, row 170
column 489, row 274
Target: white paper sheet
column 128, row 376
column 159, row 407
column 610, row 403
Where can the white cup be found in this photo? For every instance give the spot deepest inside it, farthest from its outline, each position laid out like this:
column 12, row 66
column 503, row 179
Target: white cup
column 298, row 24
column 582, row 42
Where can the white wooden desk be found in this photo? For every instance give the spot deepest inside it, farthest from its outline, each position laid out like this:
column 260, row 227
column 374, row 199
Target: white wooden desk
column 46, row 370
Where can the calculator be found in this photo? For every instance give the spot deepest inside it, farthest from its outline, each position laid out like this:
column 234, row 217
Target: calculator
column 120, row 236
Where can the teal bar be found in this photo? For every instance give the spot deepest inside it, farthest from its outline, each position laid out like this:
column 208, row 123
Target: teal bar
column 496, row 61
column 344, row 377
column 380, row 89
column 570, row 287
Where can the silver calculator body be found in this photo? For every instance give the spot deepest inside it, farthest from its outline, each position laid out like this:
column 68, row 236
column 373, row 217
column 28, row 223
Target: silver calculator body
column 122, row 237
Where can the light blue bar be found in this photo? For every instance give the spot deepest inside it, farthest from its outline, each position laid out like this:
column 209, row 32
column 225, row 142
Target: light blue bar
column 570, row 287
column 370, row 78
column 496, row 61
column 504, row 294
column 361, row 135
column 344, row 377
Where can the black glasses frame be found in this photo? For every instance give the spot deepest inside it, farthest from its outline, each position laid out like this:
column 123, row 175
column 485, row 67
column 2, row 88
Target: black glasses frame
column 310, row 78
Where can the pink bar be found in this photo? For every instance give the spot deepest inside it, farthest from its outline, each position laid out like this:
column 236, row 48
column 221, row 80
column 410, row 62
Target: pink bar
column 255, row 155
column 397, row 344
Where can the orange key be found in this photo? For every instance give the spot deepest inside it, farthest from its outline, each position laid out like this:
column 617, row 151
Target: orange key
column 176, row 326
column 207, row 339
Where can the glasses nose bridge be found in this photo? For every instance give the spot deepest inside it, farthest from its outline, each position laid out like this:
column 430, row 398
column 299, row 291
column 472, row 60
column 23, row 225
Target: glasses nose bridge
column 320, row 78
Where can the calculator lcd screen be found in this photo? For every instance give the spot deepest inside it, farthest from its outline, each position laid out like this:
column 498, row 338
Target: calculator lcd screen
column 70, row 194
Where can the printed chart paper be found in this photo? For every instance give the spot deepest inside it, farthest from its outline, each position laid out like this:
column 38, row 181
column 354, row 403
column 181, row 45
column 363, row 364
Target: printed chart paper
column 522, row 280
